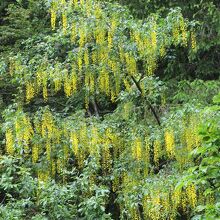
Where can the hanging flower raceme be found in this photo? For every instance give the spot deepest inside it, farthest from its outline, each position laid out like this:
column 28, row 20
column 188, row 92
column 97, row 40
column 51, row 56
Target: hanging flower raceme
column 29, row 91
column 47, row 124
column 9, row 141
column 67, row 84
column 170, row 143
column 191, row 194
column 35, row 153
column 137, row 149
column 193, row 41
column 53, row 11
column 64, row 21
column 131, row 64
column 184, row 31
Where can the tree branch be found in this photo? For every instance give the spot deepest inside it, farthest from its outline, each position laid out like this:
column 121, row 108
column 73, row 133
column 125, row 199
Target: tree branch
column 148, row 102
column 95, row 108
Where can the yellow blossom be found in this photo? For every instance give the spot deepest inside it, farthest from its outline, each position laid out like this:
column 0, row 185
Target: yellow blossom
column 191, row 194
column 9, row 141
column 137, row 149
column 67, row 85
column 29, row 91
column 64, row 20
column 73, row 33
column 183, row 30
column 35, row 153
column 169, row 143
column 193, row 41
column 53, row 19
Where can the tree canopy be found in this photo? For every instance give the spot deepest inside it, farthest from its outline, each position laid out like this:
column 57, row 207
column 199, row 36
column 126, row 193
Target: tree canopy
column 109, row 109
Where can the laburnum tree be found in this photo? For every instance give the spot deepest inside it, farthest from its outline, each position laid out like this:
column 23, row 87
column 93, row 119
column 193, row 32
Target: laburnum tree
column 109, row 53
column 110, row 50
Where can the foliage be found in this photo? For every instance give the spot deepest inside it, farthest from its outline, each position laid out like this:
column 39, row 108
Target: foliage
column 205, row 173
column 194, row 92
column 21, row 20
column 204, row 64
column 95, row 121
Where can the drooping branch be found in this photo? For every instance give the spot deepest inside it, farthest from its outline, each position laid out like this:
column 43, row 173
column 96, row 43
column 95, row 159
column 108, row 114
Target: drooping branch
column 148, row 102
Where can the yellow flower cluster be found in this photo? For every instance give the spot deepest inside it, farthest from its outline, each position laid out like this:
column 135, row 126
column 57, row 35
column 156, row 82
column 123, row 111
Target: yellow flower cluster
column 131, row 64
column 151, row 65
column 104, row 83
column 82, row 36
column 35, row 153
column 127, row 85
column 53, row 12
column 74, row 32
column 157, row 151
column 75, row 3
column 170, row 143
column 176, row 33
column 74, row 80
column 137, row 149
column 191, row 194
column 137, row 38
column 111, row 33
column 99, row 35
column 43, row 175
column 193, row 41
column 115, row 183
column 162, row 51
column 9, row 141
column 64, row 21
column 29, row 91
column 53, row 19
column 98, row 10
column 162, row 202
column 184, row 32
column 67, row 85
column 47, row 125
